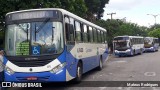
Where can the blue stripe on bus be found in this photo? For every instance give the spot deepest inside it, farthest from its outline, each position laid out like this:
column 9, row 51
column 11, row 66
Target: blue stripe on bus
column 4, row 60
column 94, row 60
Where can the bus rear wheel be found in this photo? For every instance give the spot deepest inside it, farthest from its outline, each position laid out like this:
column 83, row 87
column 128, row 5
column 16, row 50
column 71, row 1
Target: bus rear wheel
column 79, row 73
column 154, row 49
column 132, row 53
column 141, row 51
column 100, row 67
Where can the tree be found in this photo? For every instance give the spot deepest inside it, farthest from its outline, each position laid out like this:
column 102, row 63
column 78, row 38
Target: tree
column 95, row 9
column 119, row 28
column 155, row 33
column 83, row 8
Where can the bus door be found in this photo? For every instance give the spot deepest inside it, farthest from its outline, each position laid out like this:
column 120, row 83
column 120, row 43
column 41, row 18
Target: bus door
column 70, row 43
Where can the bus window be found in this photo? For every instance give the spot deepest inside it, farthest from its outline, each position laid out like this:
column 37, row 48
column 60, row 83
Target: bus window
column 95, row 35
column 99, row 36
column 85, row 34
column 69, row 30
column 102, row 36
column 91, row 34
column 78, row 31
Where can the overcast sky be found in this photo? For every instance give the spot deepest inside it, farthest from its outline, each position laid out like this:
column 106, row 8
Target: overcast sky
column 134, row 10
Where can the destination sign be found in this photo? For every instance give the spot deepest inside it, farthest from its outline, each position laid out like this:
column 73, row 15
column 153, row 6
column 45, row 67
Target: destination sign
column 22, row 48
column 33, row 15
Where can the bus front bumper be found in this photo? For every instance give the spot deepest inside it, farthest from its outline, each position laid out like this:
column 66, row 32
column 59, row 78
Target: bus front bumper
column 122, row 53
column 36, row 77
column 149, row 49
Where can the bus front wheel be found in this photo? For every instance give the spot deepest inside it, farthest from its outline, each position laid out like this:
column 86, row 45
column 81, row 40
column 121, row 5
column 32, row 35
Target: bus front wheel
column 79, row 73
column 100, row 67
column 132, row 53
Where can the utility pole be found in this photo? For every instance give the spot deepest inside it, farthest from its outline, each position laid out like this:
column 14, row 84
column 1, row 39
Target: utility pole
column 111, row 15
column 110, row 45
column 155, row 16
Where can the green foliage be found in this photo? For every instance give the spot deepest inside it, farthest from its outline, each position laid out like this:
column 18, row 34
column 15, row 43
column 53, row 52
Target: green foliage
column 155, row 33
column 83, row 8
column 95, row 7
column 154, row 27
column 119, row 28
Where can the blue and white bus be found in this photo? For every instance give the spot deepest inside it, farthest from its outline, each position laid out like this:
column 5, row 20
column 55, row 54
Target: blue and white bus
column 128, row 45
column 51, row 45
column 151, row 44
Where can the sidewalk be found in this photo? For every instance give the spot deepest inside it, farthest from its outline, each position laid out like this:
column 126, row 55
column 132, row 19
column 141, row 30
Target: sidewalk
column 110, row 56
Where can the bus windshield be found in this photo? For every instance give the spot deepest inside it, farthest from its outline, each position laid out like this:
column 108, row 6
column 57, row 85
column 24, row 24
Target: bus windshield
column 35, row 38
column 121, row 42
column 121, row 45
column 148, row 40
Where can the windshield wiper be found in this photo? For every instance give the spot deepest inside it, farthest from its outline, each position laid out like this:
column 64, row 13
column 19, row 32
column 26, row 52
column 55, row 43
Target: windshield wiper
column 52, row 33
column 42, row 25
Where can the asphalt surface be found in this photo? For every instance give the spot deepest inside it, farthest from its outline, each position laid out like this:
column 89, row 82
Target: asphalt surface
column 145, row 67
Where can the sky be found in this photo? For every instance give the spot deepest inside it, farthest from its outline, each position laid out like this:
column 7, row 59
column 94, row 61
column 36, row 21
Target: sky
column 134, row 11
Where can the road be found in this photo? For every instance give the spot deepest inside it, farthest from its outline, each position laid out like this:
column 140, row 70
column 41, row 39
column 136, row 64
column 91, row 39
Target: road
column 143, row 67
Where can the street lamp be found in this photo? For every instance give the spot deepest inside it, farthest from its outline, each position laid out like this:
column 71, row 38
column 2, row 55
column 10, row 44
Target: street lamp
column 155, row 16
column 111, row 14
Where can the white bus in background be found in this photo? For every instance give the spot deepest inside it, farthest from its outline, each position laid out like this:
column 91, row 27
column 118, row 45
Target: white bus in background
column 151, row 44
column 128, row 45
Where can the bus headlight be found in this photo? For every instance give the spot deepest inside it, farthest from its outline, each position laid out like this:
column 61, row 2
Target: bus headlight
column 128, row 50
column 116, row 51
column 58, row 68
column 151, row 47
column 9, row 70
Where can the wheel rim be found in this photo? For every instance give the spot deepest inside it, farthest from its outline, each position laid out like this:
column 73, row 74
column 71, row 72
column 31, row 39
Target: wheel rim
column 101, row 64
column 79, row 71
column 131, row 53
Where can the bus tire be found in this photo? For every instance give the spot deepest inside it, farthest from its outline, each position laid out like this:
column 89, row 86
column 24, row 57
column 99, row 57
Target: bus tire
column 154, row 49
column 132, row 53
column 100, row 67
column 79, row 73
column 141, row 51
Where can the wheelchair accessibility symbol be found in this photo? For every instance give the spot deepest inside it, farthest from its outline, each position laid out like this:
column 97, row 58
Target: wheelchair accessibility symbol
column 35, row 50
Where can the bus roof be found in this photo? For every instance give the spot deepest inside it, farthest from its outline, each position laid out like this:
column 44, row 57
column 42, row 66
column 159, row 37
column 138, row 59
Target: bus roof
column 151, row 37
column 63, row 12
column 129, row 36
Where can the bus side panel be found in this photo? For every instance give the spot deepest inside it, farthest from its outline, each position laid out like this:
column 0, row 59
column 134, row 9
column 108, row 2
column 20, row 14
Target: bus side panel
column 156, row 46
column 71, row 65
column 89, row 63
column 105, row 55
column 89, row 54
